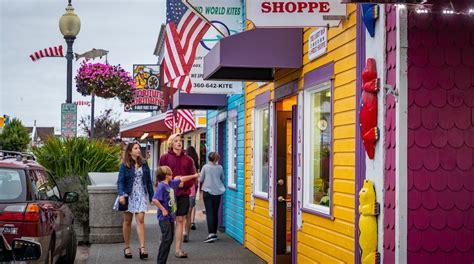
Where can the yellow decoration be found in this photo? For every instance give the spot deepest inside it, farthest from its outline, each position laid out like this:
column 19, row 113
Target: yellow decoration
column 368, row 210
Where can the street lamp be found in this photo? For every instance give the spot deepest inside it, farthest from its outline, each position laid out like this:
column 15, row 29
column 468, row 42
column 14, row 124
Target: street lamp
column 70, row 25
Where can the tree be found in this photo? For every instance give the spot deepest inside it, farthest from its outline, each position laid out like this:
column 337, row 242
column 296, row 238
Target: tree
column 15, row 136
column 106, row 127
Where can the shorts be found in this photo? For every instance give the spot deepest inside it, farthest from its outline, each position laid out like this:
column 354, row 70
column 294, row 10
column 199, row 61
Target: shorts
column 192, row 202
column 182, row 203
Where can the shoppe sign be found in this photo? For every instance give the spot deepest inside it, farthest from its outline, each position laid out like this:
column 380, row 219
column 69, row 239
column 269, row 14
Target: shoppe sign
column 147, row 95
column 226, row 18
column 295, row 13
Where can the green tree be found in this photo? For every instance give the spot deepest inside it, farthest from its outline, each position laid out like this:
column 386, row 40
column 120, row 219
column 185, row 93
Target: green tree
column 15, row 136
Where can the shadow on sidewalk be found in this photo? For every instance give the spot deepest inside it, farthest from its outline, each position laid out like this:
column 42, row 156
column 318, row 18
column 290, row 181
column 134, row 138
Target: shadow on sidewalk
column 225, row 250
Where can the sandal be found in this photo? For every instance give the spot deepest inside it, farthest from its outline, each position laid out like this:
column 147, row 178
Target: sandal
column 181, row 254
column 127, row 255
column 143, row 254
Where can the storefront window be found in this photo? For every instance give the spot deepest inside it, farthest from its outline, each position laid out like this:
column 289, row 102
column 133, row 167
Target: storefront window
column 261, row 151
column 232, row 150
column 317, row 157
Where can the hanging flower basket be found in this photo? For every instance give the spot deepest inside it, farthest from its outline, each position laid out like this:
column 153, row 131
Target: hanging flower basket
column 106, row 81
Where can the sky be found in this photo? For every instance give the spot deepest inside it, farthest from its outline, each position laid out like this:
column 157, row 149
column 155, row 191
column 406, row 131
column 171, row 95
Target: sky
column 31, row 91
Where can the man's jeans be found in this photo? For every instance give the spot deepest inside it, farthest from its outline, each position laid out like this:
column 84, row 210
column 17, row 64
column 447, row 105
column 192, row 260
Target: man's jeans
column 167, row 235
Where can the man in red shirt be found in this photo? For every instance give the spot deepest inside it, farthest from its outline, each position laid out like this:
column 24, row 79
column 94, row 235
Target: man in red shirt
column 181, row 165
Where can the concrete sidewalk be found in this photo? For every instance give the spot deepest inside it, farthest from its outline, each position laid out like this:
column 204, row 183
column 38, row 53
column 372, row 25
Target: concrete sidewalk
column 225, row 250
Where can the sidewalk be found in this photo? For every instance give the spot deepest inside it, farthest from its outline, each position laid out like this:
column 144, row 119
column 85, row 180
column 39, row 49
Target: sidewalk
column 225, row 250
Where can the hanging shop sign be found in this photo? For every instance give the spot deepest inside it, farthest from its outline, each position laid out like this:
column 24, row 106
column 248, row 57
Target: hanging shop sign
column 226, row 18
column 148, row 95
column 291, row 13
column 318, row 43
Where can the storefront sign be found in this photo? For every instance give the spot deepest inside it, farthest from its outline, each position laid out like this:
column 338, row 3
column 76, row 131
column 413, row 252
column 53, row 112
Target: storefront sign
column 318, row 43
column 68, row 120
column 290, row 13
column 148, row 95
column 227, row 17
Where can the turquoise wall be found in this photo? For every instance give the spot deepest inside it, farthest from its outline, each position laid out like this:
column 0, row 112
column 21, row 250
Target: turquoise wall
column 233, row 199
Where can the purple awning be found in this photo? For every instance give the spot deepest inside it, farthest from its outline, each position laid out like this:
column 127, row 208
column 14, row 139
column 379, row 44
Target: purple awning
column 199, row 101
column 254, row 54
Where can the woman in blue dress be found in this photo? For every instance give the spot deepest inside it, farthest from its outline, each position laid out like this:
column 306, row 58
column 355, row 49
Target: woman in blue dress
column 134, row 183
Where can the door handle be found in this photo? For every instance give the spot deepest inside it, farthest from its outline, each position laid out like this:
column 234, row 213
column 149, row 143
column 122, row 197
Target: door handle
column 281, row 199
column 280, row 182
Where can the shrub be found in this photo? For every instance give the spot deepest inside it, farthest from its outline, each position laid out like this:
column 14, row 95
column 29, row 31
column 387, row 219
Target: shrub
column 15, row 137
column 70, row 160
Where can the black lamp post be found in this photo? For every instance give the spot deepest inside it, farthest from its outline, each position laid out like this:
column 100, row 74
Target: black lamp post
column 70, row 25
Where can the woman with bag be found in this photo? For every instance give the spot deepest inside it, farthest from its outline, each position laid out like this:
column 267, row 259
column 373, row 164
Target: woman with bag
column 135, row 191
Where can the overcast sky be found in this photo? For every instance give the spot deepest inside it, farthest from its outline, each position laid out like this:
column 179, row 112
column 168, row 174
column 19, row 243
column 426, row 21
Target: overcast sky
column 30, row 91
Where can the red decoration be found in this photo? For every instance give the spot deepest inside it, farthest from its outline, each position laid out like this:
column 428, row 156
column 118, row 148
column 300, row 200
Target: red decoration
column 368, row 113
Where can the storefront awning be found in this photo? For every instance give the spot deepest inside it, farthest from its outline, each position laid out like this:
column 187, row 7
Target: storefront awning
column 154, row 126
column 254, row 54
column 199, row 101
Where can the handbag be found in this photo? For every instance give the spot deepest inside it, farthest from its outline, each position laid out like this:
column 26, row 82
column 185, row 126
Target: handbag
column 123, row 207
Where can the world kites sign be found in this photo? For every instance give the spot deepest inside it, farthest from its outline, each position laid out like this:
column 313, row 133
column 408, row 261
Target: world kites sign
column 147, row 95
column 294, row 13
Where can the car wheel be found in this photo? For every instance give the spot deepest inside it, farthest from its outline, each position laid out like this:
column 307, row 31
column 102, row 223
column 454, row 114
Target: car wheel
column 71, row 249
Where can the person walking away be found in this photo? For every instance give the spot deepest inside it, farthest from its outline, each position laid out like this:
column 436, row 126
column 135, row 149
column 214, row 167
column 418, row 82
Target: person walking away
column 134, row 184
column 212, row 182
column 165, row 200
column 189, row 224
column 181, row 165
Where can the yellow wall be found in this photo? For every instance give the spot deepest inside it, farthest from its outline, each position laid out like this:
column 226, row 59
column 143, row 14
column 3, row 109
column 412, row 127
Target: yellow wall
column 320, row 239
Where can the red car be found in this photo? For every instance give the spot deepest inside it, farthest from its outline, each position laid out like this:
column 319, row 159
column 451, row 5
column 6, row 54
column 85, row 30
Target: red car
column 32, row 208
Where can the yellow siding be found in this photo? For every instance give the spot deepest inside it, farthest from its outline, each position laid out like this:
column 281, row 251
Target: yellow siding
column 320, row 240
column 258, row 224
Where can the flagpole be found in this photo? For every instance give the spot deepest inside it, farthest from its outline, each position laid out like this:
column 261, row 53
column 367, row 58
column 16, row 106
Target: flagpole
column 188, row 4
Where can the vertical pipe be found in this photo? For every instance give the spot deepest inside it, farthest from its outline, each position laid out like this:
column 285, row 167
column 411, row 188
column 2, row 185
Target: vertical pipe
column 69, row 57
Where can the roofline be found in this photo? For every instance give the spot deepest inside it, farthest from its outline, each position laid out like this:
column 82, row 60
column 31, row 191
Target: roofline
column 142, row 122
column 160, row 43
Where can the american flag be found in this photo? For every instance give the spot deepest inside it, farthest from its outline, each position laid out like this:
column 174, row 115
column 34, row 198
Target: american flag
column 169, row 118
column 56, row 51
column 184, row 30
column 186, row 120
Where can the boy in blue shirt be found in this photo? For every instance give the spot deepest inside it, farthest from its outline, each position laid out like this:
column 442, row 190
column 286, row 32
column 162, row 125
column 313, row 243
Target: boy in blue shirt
column 165, row 200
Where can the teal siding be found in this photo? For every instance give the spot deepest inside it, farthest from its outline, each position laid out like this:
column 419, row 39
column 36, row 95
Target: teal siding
column 233, row 199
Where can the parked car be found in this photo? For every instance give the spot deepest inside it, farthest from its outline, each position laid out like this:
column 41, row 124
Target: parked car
column 32, row 208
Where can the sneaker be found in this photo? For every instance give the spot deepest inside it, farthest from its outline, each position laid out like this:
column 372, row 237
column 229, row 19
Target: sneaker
column 210, row 239
column 215, row 236
column 193, row 226
column 185, row 238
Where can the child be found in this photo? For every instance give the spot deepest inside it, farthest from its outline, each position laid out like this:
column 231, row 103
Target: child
column 165, row 200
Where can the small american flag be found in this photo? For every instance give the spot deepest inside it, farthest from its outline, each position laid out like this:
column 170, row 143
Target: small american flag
column 186, row 120
column 56, row 51
column 169, row 118
column 184, row 30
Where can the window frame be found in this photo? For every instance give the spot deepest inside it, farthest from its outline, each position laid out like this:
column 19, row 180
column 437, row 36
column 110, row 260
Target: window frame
column 308, row 205
column 212, row 138
column 258, row 135
column 232, row 135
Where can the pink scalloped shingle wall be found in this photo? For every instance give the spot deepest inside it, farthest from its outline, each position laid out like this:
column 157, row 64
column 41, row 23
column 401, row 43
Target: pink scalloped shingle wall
column 440, row 139
column 390, row 142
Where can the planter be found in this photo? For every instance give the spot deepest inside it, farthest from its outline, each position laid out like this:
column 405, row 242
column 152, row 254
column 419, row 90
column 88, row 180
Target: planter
column 105, row 223
column 82, row 233
column 103, row 178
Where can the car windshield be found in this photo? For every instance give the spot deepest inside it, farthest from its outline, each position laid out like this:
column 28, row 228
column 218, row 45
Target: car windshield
column 11, row 185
